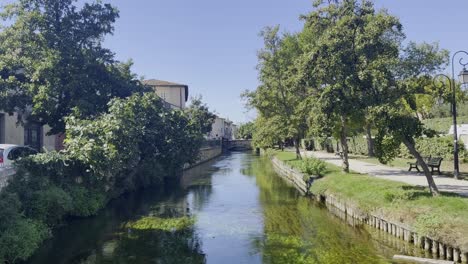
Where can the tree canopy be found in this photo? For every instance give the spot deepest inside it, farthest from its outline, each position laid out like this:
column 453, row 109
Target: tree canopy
column 346, row 72
column 52, row 62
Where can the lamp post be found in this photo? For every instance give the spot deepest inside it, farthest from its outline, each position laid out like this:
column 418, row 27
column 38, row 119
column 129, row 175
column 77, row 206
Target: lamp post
column 463, row 80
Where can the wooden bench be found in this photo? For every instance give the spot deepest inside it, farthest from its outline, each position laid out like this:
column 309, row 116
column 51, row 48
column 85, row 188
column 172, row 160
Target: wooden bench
column 415, row 165
column 432, row 162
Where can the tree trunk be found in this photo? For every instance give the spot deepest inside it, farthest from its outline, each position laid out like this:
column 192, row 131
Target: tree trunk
column 298, row 150
column 427, row 172
column 370, row 141
column 344, row 144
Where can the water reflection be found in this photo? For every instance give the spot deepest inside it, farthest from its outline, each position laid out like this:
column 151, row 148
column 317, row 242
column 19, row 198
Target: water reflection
column 243, row 213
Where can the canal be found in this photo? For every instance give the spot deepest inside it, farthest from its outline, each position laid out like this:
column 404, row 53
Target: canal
column 232, row 210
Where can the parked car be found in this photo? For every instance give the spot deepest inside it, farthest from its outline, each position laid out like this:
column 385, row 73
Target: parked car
column 10, row 153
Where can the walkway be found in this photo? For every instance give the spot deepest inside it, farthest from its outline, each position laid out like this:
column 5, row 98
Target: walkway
column 395, row 174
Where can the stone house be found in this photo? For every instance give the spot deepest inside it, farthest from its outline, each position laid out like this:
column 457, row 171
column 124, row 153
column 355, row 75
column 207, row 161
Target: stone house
column 31, row 134
column 222, row 129
column 174, row 94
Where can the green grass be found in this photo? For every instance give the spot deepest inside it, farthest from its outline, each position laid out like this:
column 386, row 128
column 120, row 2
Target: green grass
column 444, row 218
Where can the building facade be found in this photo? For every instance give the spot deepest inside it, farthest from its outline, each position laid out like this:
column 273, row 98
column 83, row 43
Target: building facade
column 30, row 134
column 222, row 129
column 217, row 129
column 174, row 94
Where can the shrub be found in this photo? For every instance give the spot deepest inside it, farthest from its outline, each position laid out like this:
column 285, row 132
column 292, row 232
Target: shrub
column 86, row 202
column 21, row 240
column 312, row 166
column 10, row 210
column 436, row 146
column 136, row 144
column 48, row 205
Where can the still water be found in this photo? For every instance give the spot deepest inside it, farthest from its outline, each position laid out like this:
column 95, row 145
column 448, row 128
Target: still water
column 239, row 211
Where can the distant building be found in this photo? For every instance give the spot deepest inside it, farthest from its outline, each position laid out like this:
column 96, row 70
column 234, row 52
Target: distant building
column 31, row 134
column 222, row 129
column 234, row 131
column 228, row 129
column 217, row 129
column 174, row 94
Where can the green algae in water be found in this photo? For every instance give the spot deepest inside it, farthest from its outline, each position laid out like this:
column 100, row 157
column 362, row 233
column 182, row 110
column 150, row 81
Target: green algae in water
column 165, row 224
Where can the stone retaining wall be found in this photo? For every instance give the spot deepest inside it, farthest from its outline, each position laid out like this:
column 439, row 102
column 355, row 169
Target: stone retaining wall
column 291, row 175
column 207, row 154
column 355, row 216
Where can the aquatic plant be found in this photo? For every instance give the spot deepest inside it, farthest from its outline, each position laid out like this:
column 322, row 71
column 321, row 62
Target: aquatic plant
column 165, row 224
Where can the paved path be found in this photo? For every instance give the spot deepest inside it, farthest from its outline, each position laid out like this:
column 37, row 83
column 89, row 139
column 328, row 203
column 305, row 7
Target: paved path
column 396, row 174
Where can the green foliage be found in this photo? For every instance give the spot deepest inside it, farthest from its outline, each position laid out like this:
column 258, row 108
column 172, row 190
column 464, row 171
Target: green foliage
column 157, row 223
column 313, row 167
column 53, row 60
column 21, row 239
column 137, row 143
column 86, row 202
column 279, row 97
column 435, row 147
column 200, row 115
column 135, row 131
column 246, row 131
column 268, row 132
column 49, row 205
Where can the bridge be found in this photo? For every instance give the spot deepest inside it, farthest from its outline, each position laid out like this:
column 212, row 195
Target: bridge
column 238, row 145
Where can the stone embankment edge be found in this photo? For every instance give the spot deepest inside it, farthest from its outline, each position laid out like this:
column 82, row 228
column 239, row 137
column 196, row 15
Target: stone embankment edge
column 206, row 154
column 351, row 212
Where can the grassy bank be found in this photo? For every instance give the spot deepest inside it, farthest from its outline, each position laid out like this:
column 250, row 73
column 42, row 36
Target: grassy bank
column 443, row 218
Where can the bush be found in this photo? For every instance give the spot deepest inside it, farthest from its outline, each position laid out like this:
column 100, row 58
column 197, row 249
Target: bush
column 136, row 144
column 21, row 239
column 86, row 202
column 436, row 147
column 313, row 167
column 48, row 205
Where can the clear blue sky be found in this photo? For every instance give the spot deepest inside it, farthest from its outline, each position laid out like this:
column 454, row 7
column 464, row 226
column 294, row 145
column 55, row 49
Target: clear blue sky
column 211, row 45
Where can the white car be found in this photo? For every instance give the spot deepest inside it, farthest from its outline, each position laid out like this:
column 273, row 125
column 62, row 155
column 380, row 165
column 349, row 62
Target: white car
column 9, row 153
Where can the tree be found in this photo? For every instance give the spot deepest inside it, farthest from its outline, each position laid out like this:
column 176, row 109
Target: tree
column 246, row 130
column 200, row 115
column 349, row 46
column 278, row 99
column 397, row 116
column 268, row 132
column 52, row 60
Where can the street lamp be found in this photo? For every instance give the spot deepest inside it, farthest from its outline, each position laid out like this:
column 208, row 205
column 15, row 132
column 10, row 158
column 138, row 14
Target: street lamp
column 463, row 77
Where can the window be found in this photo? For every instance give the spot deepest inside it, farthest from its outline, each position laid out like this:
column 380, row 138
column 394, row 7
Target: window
column 33, row 135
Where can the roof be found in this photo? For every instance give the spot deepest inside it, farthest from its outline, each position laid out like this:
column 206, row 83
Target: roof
column 156, row 83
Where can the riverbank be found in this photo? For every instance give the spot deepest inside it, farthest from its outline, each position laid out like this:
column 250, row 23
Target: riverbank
column 242, row 211
column 438, row 225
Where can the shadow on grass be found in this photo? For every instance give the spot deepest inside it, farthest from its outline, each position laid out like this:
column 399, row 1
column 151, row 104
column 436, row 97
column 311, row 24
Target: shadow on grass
column 421, row 191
